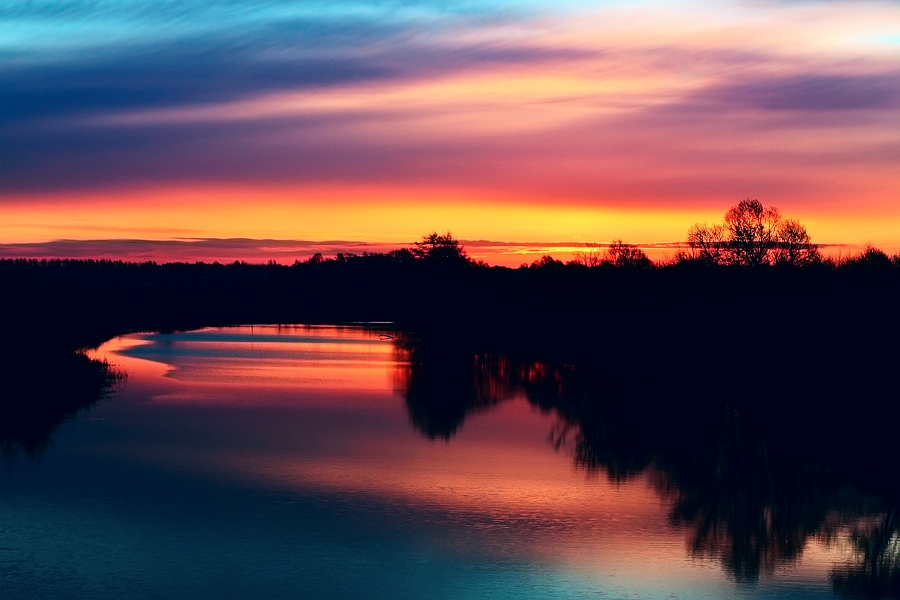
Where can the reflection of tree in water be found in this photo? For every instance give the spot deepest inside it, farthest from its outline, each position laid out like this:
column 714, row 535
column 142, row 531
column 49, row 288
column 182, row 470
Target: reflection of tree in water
column 41, row 392
column 742, row 504
column 444, row 384
column 873, row 570
column 750, row 487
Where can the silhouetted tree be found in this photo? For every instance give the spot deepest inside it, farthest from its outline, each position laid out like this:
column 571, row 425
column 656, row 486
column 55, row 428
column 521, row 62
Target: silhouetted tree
column 591, row 256
column 621, row 254
column 439, row 247
column 752, row 232
column 871, row 259
column 793, row 246
column 707, row 242
column 547, row 262
column 402, row 255
column 752, row 235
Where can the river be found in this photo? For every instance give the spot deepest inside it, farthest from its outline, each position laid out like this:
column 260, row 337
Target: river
column 295, row 462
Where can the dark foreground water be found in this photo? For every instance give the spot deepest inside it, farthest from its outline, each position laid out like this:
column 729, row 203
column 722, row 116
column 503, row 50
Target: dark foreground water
column 297, row 462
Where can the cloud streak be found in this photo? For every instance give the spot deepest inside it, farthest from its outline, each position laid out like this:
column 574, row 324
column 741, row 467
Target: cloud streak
column 811, row 92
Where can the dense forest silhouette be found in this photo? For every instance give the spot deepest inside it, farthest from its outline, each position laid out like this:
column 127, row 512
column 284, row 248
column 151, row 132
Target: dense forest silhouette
column 757, row 380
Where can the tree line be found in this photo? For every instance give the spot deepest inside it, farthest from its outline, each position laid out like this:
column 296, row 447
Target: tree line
column 750, row 235
column 755, row 254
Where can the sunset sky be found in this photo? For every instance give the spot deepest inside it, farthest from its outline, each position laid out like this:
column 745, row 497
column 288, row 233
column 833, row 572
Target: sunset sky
column 369, row 124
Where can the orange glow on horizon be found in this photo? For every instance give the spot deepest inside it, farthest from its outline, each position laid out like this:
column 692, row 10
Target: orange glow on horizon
column 387, row 215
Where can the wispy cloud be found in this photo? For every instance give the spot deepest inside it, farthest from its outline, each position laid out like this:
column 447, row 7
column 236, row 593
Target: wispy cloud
column 810, row 92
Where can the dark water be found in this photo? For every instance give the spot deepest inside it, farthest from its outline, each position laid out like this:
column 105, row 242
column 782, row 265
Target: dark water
column 322, row 462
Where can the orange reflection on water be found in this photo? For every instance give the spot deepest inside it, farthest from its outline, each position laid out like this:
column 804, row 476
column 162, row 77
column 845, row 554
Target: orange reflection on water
column 244, row 366
column 502, row 461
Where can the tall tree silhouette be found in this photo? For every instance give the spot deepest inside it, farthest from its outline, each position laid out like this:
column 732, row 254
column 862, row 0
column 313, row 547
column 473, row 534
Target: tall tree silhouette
column 435, row 246
column 752, row 232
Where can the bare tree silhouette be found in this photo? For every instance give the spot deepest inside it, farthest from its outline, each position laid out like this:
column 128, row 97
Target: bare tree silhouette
column 707, row 242
column 591, row 256
column 621, row 254
column 752, row 235
column 752, row 232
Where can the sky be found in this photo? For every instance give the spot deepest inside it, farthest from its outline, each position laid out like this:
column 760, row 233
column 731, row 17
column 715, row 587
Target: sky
column 512, row 124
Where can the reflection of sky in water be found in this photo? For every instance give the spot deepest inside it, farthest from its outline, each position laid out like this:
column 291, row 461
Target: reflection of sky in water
column 197, row 481
column 270, row 359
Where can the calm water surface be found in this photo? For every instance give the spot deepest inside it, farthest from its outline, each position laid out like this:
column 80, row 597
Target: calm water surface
column 284, row 463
